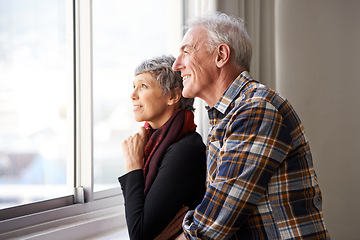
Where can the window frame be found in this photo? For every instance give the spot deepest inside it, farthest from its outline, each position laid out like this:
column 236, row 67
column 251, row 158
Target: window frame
column 81, row 205
column 64, row 216
column 45, row 205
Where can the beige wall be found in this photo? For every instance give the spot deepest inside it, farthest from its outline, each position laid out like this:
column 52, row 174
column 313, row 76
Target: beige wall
column 317, row 67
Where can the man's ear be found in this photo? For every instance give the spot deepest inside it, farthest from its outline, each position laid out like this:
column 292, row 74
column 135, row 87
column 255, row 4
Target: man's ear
column 223, row 55
column 175, row 96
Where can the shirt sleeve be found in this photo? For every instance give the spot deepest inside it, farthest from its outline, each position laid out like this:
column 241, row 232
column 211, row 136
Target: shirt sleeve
column 180, row 180
column 239, row 170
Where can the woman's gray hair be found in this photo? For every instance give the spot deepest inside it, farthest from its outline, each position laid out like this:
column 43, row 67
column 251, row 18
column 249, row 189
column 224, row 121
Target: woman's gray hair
column 226, row 29
column 161, row 69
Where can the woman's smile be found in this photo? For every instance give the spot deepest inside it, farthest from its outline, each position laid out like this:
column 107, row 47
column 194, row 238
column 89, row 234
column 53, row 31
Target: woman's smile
column 136, row 107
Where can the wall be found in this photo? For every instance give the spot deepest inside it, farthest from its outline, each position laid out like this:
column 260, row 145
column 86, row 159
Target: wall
column 317, row 69
column 317, row 62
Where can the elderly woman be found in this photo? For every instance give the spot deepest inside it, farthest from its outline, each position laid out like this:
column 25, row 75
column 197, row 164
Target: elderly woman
column 165, row 161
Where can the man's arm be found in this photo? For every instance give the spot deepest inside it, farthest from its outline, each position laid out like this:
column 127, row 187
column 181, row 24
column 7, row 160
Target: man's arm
column 174, row 226
column 243, row 167
column 181, row 237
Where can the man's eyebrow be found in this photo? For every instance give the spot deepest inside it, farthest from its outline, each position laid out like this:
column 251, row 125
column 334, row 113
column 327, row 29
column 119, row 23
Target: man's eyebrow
column 185, row 46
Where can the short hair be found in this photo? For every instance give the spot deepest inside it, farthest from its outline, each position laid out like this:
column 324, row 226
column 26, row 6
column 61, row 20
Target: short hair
column 161, row 69
column 222, row 28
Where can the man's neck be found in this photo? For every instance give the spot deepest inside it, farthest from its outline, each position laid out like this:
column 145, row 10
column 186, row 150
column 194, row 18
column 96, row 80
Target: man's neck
column 225, row 78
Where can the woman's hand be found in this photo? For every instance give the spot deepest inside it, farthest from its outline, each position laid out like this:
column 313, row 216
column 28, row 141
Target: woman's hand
column 133, row 150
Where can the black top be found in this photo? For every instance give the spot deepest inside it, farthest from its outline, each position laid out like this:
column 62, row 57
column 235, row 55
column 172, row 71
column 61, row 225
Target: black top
column 180, row 182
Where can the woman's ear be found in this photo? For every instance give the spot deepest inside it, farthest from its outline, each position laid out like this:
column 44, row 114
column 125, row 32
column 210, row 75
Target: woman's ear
column 175, row 96
column 223, row 55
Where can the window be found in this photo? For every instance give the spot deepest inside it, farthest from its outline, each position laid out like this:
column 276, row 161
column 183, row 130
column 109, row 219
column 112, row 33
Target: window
column 66, row 70
column 124, row 34
column 34, row 124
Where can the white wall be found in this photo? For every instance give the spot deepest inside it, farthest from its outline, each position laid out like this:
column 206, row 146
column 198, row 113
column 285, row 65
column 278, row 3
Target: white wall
column 317, row 67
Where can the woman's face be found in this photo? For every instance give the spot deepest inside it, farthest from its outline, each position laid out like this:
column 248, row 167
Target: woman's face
column 149, row 102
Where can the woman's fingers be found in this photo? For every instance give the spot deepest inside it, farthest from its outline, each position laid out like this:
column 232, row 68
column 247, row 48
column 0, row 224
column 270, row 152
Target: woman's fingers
column 133, row 150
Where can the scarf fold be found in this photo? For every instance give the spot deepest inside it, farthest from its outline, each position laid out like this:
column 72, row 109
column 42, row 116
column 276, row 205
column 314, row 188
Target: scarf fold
column 180, row 123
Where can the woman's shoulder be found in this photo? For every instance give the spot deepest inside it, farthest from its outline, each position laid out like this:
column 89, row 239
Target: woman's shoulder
column 190, row 146
column 190, row 139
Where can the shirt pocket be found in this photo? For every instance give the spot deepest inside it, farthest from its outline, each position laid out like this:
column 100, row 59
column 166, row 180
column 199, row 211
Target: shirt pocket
column 212, row 158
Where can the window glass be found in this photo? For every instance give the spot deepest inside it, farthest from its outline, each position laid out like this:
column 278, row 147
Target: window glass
column 124, row 34
column 33, row 101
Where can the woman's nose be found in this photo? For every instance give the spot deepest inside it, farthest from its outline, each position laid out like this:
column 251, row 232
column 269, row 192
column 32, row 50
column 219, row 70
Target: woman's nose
column 133, row 95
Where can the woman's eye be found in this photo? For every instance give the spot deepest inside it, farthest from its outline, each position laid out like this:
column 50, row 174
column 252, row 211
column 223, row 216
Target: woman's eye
column 144, row 86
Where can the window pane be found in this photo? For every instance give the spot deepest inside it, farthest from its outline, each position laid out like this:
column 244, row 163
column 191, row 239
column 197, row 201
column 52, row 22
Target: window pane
column 124, row 34
column 33, row 101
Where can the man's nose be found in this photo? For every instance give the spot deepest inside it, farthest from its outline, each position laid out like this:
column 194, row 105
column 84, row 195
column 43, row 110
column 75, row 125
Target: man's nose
column 177, row 66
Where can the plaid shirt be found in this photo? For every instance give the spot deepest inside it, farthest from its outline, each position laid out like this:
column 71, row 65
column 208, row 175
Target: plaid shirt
column 261, row 180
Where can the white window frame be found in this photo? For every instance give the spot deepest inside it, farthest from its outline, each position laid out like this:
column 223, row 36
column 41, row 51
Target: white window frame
column 85, row 213
column 65, row 217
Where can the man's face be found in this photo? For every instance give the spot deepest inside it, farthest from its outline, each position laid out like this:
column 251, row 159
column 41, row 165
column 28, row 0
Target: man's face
column 196, row 64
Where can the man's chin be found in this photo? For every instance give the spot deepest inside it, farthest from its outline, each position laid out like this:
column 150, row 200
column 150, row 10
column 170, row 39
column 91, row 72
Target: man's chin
column 187, row 94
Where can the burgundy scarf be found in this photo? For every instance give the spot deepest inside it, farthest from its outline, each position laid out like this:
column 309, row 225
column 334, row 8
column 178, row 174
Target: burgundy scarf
column 181, row 122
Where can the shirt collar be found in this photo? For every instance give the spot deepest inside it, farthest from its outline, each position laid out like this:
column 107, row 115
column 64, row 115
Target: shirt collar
column 231, row 93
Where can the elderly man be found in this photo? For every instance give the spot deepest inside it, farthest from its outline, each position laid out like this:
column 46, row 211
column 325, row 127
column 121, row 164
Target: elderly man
column 261, row 180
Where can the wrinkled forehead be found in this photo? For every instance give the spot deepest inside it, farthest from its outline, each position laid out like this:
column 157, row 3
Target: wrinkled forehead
column 195, row 38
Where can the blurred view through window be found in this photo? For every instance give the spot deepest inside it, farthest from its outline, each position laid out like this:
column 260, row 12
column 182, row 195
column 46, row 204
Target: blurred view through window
column 36, row 89
column 33, row 101
column 124, row 34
